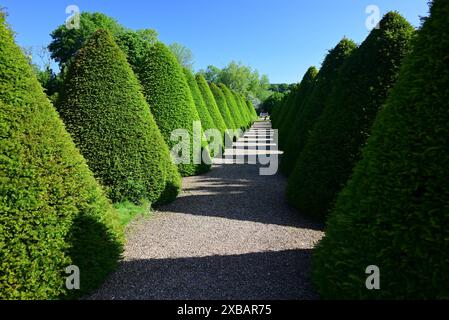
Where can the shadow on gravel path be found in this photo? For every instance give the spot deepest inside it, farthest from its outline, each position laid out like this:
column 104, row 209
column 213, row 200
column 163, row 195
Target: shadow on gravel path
column 230, row 235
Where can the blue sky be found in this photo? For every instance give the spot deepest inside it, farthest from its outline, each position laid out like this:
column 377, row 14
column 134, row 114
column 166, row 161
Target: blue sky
column 280, row 38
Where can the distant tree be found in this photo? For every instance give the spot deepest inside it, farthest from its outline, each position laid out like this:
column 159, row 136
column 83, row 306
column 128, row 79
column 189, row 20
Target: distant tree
column 135, row 44
column 240, row 78
column 183, row 54
column 211, row 74
column 281, row 88
column 272, row 101
column 66, row 42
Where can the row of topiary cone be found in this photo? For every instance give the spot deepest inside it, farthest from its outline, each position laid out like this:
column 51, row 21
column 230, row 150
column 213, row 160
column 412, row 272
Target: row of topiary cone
column 115, row 134
column 369, row 149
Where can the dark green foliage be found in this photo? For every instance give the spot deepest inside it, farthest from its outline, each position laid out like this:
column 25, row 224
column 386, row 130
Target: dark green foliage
column 135, row 43
column 66, row 42
column 252, row 110
column 272, row 101
column 211, row 105
column 312, row 107
column 223, row 106
column 394, row 213
column 280, row 88
column 170, row 100
column 53, row 213
column 232, row 106
column 284, row 107
column 206, row 119
column 334, row 146
column 279, row 109
column 239, row 78
column 243, row 110
column 301, row 95
column 110, row 122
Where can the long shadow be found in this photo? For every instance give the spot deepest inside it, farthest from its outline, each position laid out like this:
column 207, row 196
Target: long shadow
column 238, row 192
column 256, row 276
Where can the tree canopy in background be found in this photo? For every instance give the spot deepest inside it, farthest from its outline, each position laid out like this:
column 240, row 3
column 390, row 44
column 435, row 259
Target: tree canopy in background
column 183, row 54
column 66, row 42
column 240, row 78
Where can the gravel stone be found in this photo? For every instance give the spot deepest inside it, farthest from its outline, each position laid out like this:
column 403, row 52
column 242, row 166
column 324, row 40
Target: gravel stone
column 230, row 235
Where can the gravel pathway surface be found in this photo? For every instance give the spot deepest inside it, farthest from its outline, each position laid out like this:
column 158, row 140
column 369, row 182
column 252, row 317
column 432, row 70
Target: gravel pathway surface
column 230, row 235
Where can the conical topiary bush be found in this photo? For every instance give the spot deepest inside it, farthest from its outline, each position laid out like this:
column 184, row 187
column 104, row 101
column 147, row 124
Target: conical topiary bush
column 394, row 211
column 111, row 123
column 53, row 213
column 232, row 106
column 280, row 109
column 296, row 106
column 243, row 111
column 223, row 106
column 334, row 146
column 211, row 105
column 250, row 107
column 313, row 106
column 171, row 103
column 206, row 119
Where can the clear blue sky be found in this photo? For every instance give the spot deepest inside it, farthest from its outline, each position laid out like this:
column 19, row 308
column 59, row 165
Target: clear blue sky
column 280, row 38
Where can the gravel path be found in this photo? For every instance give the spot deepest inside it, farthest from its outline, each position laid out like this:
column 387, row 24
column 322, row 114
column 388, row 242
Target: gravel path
column 230, row 235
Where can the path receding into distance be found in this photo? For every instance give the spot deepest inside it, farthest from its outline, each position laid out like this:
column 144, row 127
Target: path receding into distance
column 230, row 235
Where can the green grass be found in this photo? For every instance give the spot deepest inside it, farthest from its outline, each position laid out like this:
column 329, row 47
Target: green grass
column 128, row 211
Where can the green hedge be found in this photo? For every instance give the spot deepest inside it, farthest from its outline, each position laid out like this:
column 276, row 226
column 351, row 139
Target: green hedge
column 285, row 107
column 220, row 99
column 232, row 106
column 110, row 122
column 394, row 213
column 252, row 110
column 53, row 213
column 211, row 105
column 334, row 146
column 294, row 108
column 203, row 112
column 170, row 100
column 312, row 107
column 279, row 109
column 243, row 109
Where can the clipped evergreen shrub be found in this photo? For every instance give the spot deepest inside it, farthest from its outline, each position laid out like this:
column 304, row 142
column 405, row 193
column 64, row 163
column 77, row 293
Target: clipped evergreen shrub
column 170, row 100
column 53, row 213
column 394, row 212
column 278, row 109
column 211, row 105
column 232, row 105
column 206, row 119
column 223, row 106
column 242, row 109
column 296, row 105
column 252, row 110
column 334, row 146
column 284, row 107
column 111, row 123
column 312, row 107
